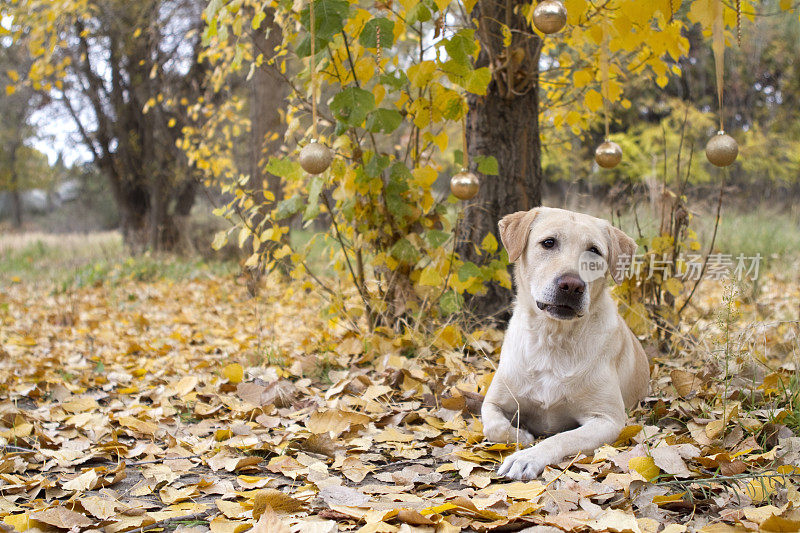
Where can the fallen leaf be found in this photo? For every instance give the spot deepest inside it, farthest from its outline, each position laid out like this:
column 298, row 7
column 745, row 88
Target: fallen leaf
column 276, row 500
column 62, row 518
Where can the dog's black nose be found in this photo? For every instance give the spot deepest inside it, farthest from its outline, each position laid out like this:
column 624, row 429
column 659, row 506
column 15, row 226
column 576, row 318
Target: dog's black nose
column 571, row 284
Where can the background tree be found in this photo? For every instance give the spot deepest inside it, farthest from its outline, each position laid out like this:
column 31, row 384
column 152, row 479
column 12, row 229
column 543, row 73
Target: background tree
column 117, row 68
column 21, row 165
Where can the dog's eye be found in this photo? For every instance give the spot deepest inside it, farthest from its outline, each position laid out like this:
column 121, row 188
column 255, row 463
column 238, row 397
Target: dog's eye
column 594, row 250
column 548, row 243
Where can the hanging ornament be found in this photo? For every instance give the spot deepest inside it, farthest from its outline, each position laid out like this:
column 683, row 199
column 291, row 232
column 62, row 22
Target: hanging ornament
column 550, row 16
column 464, row 185
column 609, row 153
column 315, row 157
column 721, row 149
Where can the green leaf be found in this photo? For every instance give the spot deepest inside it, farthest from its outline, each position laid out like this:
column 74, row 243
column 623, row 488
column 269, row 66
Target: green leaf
column 468, row 270
column 329, row 17
column 376, row 164
column 399, row 176
column 212, row 9
column 369, row 35
column 289, row 207
column 477, row 81
column 351, row 105
column 461, row 46
column 383, row 120
column 487, row 165
column 395, row 80
column 418, row 13
column 436, row 238
column 404, row 251
column 286, row 168
column 314, row 190
column 451, row 302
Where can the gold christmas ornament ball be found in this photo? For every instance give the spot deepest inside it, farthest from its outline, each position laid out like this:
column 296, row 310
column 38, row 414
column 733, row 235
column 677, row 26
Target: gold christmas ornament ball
column 315, row 158
column 464, row 185
column 550, row 16
column 608, row 154
column 722, row 149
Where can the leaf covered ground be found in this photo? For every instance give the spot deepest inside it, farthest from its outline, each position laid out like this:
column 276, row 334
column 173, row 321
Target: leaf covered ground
column 190, row 405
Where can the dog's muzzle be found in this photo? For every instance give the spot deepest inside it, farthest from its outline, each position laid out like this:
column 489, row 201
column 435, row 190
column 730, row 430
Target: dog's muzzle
column 567, row 299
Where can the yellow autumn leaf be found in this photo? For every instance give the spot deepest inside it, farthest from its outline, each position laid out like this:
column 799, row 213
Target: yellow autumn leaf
column 668, row 498
column 627, row 433
column 430, row 277
column 489, row 243
column 673, row 286
column 593, row 100
column 646, row 466
column 19, row 522
column 760, row 489
column 233, row 372
column 425, row 176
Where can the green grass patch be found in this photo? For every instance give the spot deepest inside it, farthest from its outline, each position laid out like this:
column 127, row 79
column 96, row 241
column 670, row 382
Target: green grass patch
column 71, row 261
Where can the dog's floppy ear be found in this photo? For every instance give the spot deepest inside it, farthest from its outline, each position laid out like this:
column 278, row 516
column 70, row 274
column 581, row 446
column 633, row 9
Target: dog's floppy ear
column 514, row 230
column 621, row 251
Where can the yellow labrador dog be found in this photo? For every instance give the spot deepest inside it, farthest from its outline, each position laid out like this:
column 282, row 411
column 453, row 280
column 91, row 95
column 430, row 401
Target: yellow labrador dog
column 569, row 366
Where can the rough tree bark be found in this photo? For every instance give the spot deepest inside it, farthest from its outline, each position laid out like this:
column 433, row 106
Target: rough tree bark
column 505, row 124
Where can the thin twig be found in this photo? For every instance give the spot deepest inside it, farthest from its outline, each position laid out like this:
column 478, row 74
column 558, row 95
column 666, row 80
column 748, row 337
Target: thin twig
column 17, row 449
column 347, row 258
column 710, row 248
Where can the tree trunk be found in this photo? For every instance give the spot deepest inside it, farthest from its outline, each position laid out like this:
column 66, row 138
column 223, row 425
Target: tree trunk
column 267, row 93
column 16, row 206
column 157, row 219
column 16, row 195
column 505, row 124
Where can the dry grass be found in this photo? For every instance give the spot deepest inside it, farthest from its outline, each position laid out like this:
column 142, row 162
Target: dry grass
column 48, row 256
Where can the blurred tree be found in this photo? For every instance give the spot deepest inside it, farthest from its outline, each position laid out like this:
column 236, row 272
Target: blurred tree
column 122, row 70
column 21, row 165
column 762, row 92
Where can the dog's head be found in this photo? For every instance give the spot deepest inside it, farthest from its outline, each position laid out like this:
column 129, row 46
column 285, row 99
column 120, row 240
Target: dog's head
column 562, row 258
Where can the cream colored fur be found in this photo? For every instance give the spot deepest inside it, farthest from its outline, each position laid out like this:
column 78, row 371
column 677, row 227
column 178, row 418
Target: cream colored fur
column 570, row 378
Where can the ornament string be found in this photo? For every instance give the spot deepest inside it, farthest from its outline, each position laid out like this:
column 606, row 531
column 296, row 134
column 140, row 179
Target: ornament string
column 604, row 67
column 378, row 43
column 313, row 66
column 465, row 156
column 739, row 23
column 718, row 47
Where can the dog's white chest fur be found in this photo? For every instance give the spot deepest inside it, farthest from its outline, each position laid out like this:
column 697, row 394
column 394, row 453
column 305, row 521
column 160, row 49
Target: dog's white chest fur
column 544, row 371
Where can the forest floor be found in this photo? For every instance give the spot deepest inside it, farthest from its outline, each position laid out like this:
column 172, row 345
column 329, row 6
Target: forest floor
column 143, row 395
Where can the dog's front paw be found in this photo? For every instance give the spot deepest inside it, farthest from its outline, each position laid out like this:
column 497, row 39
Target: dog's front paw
column 525, row 464
column 505, row 432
